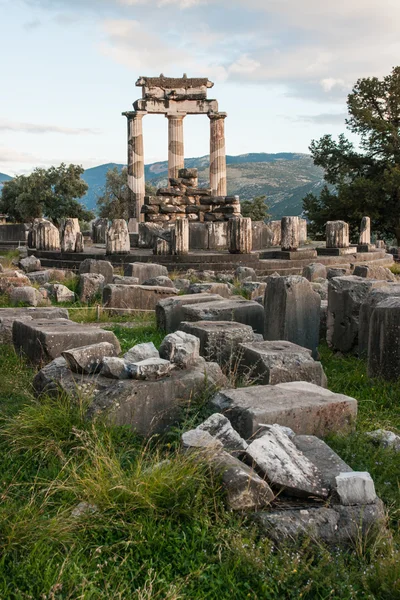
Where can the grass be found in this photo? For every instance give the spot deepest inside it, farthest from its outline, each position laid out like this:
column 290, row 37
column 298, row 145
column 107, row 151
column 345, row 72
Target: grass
column 160, row 530
column 395, row 269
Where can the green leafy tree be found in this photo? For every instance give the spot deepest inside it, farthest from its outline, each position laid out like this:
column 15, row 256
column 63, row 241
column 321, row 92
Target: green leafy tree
column 256, row 209
column 366, row 181
column 114, row 202
column 52, row 193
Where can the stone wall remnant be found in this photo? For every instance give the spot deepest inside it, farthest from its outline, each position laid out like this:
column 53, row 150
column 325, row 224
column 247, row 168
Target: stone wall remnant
column 117, row 239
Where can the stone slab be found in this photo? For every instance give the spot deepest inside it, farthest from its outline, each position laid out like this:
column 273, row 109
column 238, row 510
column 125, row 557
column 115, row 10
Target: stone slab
column 336, row 251
column 144, row 297
column 219, row 339
column 144, row 271
column 169, row 312
column 304, row 407
column 9, row 315
column 328, row 463
column 43, row 340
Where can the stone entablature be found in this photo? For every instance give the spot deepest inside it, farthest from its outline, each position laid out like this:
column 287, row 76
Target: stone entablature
column 177, row 88
column 184, row 200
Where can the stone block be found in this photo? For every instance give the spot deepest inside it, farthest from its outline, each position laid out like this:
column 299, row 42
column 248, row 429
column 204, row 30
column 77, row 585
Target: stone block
column 29, row 264
column 120, row 280
column 47, row 237
column 57, row 377
column 386, row 439
column 210, row 288
column 279, row 362
column 160, row 280
column 170, row 314
column 373, row 298
column 181, row 348
column 355, row 487
column 43, row 340
column 290, row 233
column 328, row 463
column 336, row 272
column 117, row 238
column 374, row 272
column 345, row 296
column 198, row 439
column 113, row 367
column 60, row 292
column 220, row 428
column 292, row 311
column 150, row 407
column 88, row 359
column 70, row 231
column 150, row 368
column 244, row 273
column 100, row 267
column 365, row 231
column 144, row 271
column 180, row 237
column 217, row 235
column 337, row 234
column 90, row 286
column 142, row 297
column 219, row 340
column 236, row 309
column 40, row 277
column 141, row 352
column 314, row 271
column 383, row 342
column 304, row 407
column 28, row 296
column 240, row 235
column 9, row 315
column 285, row 466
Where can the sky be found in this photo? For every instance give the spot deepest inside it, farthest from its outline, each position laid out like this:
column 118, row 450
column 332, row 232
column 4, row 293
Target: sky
column 282, row 70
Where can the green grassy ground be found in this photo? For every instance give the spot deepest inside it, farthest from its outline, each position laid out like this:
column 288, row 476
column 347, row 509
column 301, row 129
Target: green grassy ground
column 161, row 530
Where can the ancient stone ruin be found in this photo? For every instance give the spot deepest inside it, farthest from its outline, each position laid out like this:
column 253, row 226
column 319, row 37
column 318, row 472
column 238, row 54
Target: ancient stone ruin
column 175, row 98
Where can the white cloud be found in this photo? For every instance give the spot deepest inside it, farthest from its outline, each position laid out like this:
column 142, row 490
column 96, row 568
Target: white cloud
column 36, row 128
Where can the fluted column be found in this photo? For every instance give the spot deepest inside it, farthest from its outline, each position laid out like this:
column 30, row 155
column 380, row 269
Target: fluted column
column 136, row 181
column 176, row 155
column 217, row 154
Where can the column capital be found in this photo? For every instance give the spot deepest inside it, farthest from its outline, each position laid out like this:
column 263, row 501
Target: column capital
column 217, row 115
column 134, row 114
column 175, row 115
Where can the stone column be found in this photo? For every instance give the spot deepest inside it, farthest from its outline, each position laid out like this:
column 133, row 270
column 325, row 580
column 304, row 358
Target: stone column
column 180, row 237
column 365, row 231
column 217, row 154
column 117, row 240
column 337, row 234
column 176, row 155
column 240, row 235
column 47, row 237
column 290, row 233
column 136, row 181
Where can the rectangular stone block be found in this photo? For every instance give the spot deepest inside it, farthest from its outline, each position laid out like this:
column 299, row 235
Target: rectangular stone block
column 144, row 271
column 143, row 297
column 43, row 340
column 169, row 312
column 219, row 340
column 9, row 315
column 304, row 407
column 237, row 309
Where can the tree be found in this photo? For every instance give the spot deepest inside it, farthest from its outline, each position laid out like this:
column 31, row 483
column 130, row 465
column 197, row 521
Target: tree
column 114, row 202
column 52, row 193
column 256, row 209
column 364, row 182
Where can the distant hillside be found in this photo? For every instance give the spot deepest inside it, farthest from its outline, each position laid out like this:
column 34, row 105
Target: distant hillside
column 285, row 178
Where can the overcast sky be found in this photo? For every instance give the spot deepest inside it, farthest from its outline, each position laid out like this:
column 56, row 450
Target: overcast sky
column 282, row 70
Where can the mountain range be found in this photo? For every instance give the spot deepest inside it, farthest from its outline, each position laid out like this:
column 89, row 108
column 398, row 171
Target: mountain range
column 285, row 178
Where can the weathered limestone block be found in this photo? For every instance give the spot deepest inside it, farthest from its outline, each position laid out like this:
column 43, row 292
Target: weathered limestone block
column 117, row 239
column 180, row 237
column 47, row 237
column 290, row 233
column 141, row 352
column 161, row 280
column 279, row 362
column 144, row 297
column 26, row 295
column 43, row 340
column 170, row 314
column 57, row 376
column 60, row 292
column 200, row 440
column 219, row 340
column 144, row 271
column 9, row 315
column 150, row 407
column 345, row 297
column 120, row 280
column 161, row 247
column 292, row 311
column 315, row 271
column 149, row 233
column 337, row 234
column 150, row 368
column 30, row 264
column 304, row 407
column 336, row 272
column 240, row 235
column 100, row 267
column 113, row 367
column 356, row 487
column 88, row 359
column 210, row 288
column 284, row 465
column 365, row 231
column 302, row 231
column 236, row 309
column 374, row 272
column 255, row 289
column 328, row 463
column 384, row 336
column 45, row 276
column 386, row 439
column 181, row 348
column 217, row 236
column 32, row 235
column 90, row 286
column 220, row 428
column 245, row 273
column 69, row 232
column 80, row 242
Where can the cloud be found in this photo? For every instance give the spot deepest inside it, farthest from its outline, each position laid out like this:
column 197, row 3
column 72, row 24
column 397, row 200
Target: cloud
column 31, row 25
column 322, row 118
column 36, row 128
